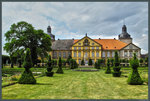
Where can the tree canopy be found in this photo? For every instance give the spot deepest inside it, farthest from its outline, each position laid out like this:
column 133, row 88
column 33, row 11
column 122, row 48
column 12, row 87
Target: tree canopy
column 22, row 36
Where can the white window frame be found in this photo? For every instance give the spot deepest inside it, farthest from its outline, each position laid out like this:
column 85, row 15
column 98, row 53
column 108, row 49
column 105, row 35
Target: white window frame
column 75, row 54
column 97, row 54
column 108, row 53
column 93, row 55
column 79, row 54
column 103, row 54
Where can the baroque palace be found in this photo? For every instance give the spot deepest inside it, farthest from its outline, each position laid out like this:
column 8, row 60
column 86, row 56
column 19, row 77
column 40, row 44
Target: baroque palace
column 87, row 48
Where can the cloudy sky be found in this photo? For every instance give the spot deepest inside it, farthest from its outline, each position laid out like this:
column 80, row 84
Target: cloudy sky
column 73, row 19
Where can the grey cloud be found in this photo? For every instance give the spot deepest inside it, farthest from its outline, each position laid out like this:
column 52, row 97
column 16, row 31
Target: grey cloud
column 96, row 18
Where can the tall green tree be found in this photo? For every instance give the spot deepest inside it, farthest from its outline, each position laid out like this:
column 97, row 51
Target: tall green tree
column 22, row 35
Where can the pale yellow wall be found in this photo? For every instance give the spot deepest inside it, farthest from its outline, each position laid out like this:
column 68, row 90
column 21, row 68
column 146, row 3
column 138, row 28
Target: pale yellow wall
column 83, row 50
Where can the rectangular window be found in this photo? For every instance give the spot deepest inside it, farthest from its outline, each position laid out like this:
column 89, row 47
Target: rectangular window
column 97, row 54
column 93, row 61
column 55, row 54
column 108, row 54
column 92, row 54
column 97, row 47
column 75, row 54
column 59, row 54
column 64, row 54
column 103, row 53
column 79, row 54
column 92, row 47
column 136, row 53
column 75, row 47
column 86, row 48
column 130, row 54
column 125, row 54
column 69, row 53
column 79, row 61
column 79, row 48
column 113, row 53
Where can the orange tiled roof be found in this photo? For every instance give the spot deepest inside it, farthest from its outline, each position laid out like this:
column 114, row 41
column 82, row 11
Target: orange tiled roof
column 109, row 44
column 75, row 40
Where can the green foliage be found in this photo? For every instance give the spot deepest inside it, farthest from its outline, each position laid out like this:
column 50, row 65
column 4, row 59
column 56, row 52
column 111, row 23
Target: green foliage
column 22, row 36
column 27, row 78
column 27, row 60
column 90, row 62
column 60, row 71
column 5, row 59
column 146, row 61
column 82, row 62
column 116, row 60
column 99, row 62
column 68, row 59
column 112, row 61
column 73, row 64
column 141, row 61
column 63, row 62
column 134, row 77
column 108, row 70
column 50, row 67
column 96, row 65
column 116, row 68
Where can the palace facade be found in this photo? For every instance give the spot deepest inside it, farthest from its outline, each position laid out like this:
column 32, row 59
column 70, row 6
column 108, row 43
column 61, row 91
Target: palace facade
column 87, row 48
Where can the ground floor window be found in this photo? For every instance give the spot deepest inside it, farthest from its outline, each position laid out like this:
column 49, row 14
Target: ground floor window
column 79, row 61
column 59, row 54
column 103, row 54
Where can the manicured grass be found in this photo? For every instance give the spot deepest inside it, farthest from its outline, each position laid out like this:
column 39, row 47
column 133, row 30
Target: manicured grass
column 78, row 85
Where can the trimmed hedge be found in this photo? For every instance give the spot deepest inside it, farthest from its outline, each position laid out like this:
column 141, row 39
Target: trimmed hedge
column 60, row 71
column 134, row 77
column 82, row 62
column 50, row 67
column 90, row 62
column 116, row 68
column 108, row 70
column 27, row 78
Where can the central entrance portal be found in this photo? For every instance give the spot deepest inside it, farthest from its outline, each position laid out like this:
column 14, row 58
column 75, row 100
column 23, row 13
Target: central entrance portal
column 85, row 59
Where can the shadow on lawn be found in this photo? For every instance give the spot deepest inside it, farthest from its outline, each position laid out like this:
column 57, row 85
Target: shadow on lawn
column 43, row 84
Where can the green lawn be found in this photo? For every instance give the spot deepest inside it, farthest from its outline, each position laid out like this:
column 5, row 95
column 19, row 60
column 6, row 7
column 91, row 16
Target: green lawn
column 78, row 85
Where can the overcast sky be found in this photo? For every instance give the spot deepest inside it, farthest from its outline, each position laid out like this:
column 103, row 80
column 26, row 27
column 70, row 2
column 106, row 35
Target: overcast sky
column 73, row 19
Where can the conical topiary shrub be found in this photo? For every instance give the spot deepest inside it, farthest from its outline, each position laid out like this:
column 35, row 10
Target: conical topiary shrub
column 134, row 78
column 116, row 68
column 50, row 67
column 90, row 62
column 82, row 62
column 108, row 70
column 60, row 71
column 27, row 76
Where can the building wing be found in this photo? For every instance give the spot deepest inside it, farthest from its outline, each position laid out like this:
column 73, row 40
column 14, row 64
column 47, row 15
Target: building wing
column 62, row 44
